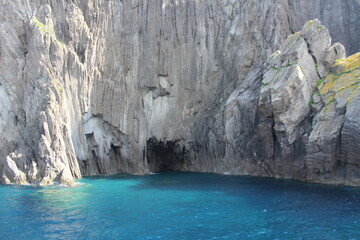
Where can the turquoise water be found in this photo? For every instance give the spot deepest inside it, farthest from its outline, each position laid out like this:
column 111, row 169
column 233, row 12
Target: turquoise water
column 180, row 206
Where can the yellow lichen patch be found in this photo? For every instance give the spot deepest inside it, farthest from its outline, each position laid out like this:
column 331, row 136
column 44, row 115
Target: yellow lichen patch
column 340, row 82
column 349, row 63
column 341, row 86
column 327, row 86
column 329, row 98
column 330, row 77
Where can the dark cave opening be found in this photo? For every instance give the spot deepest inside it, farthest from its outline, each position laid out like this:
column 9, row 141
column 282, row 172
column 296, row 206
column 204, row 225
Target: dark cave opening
column 165, row 156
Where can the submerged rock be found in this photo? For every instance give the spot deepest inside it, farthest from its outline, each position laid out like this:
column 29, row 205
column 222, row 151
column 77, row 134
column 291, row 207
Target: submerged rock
column 104, row 87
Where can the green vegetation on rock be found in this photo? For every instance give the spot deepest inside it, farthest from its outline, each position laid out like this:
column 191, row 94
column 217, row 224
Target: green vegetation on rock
column 43, row 28
column 46, row 30
column 342, row 83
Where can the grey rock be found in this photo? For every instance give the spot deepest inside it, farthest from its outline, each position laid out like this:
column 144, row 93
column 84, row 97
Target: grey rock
column 349, row 137
column 105, row 87
column 11, row 173
column 340, row 17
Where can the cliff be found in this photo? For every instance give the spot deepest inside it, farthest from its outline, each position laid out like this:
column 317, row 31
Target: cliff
column 104, row 87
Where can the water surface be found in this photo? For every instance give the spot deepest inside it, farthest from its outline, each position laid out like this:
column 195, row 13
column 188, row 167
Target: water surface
column 180, row 206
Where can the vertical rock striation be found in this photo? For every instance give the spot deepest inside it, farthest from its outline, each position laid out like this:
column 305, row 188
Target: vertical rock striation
column 104, row 87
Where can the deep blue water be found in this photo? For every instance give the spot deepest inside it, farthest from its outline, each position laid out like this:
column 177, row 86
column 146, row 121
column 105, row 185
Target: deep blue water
column 180, row 206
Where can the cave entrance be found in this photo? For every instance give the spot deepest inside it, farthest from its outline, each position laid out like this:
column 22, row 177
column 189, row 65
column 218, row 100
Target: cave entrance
column 165, row 156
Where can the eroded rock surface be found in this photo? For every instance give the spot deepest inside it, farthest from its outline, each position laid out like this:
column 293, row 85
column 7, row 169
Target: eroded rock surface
column 104, row 87
column 305, row 105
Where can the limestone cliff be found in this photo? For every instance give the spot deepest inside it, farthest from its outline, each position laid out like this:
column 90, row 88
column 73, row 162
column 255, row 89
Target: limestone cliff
column 103, row 87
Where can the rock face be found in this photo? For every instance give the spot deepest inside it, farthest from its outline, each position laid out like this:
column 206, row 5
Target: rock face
column 104, row 87
column 305, row 107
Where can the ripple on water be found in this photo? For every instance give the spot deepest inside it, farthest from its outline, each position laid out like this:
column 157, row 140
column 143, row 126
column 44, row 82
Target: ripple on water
column 180, row 206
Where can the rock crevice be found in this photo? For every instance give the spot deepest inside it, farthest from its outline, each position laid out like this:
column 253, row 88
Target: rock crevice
column 105, row 87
